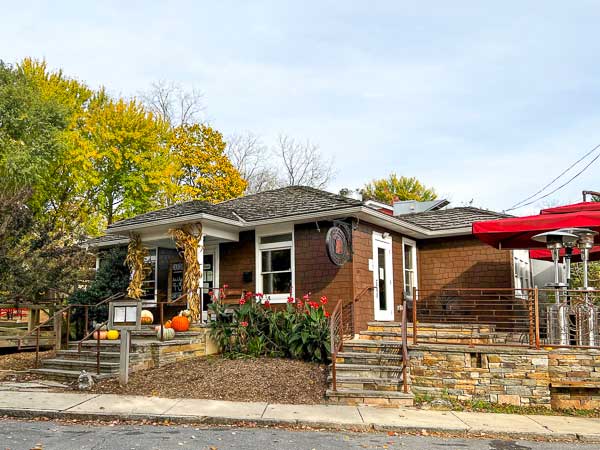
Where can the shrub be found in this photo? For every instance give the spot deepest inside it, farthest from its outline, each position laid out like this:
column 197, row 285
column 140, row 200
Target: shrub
column 300, row 330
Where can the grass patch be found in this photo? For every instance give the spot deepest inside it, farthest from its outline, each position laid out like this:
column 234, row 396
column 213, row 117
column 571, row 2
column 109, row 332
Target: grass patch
column 424, row 401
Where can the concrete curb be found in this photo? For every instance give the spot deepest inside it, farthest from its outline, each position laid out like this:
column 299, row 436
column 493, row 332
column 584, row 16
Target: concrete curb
column 356, row 427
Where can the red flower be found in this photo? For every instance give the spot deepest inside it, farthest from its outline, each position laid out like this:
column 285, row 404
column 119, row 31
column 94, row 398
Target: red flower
column 244, row 324
column 242, row 301
column 313, row 305
column 267, row 303
column 248, row 294
column 291, row 299
column 225, row 286
column 259, row 295
column 327, row 314
column 300, row 304
column 324, row 300
column 306, row 296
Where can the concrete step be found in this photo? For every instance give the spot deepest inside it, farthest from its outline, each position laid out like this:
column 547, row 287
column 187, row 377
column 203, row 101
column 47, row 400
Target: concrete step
column 72, row 364
column 152, row 335
column 430, row 336
column 114, row 345
column 369, row 371
column 373, row 346
column 90, row 355
column 368, row 397
column 68, row 375
column 432, row 326
column 369, row 358
column 367, row 384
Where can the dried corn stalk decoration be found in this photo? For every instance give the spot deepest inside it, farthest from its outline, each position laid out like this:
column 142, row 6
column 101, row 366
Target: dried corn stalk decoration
column 188, row 239
column 136, row 253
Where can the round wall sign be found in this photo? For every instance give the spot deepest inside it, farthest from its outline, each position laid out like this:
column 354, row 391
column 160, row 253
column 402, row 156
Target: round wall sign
column 338, row 248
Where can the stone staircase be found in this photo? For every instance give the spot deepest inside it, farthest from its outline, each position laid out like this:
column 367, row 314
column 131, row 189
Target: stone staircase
column 146, row 352
column 369, row 369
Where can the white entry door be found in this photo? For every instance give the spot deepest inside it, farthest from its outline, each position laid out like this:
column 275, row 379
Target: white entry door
column 383, row 277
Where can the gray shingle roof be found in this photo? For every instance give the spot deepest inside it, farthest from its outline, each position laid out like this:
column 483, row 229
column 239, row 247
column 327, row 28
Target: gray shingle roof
column 107, row 239
column 447, row 219
column 178, row 210
column 287, row 201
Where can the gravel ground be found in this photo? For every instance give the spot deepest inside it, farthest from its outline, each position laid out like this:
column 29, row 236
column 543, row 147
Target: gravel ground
column 271, row 380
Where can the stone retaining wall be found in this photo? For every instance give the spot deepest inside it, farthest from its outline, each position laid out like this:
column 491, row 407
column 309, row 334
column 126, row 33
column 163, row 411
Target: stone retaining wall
column 516, row 376
column 158, row 354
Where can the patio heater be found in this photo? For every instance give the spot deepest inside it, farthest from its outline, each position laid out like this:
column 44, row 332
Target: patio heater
column 557, row 314
column 586, row 313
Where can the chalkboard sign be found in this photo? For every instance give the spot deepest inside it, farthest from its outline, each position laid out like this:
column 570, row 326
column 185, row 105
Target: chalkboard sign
column 175, row 280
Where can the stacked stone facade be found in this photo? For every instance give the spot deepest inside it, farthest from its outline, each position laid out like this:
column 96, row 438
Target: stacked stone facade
column 517, row 376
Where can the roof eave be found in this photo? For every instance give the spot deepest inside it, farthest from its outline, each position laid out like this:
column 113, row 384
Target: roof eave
column 115, row 229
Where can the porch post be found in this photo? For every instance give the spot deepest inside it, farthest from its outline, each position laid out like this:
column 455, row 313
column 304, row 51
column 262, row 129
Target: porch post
column 200, row 257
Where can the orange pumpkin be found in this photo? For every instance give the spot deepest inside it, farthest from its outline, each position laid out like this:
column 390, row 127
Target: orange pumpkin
column 168, row 324
column 102, row 334
column 180, row 323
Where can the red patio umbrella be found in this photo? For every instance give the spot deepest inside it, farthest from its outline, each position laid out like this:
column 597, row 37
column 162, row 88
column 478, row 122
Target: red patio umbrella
column 575, row 207
column 516, row 232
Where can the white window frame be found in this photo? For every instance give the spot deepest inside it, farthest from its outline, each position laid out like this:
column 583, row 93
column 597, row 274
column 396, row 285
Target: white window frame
column 413, row 244
column 274, row 230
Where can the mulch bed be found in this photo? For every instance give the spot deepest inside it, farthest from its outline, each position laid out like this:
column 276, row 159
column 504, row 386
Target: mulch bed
column 272, row 380
column 20, row 361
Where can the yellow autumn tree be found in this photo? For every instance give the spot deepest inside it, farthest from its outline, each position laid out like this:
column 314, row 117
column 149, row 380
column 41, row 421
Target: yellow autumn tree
column 201, row 170
column 124, row 151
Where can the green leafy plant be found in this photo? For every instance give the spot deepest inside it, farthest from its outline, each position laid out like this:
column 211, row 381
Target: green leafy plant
column 300, row 330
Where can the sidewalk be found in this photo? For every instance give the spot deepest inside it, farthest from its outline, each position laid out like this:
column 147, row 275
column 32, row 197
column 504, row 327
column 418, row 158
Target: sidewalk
column 33, row 403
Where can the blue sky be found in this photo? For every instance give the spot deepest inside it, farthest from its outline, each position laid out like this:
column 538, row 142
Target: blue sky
column 485, row 101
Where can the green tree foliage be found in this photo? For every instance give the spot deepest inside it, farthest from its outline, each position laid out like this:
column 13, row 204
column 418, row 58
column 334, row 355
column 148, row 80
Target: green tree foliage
column 35, row 254
column 74, row 159
column 392, row 188
column 112, row 277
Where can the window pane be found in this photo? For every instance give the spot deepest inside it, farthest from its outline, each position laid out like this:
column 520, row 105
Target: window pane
column 408, row 257
column 276, row 238
column 277, row 283
column 276, row 260
column 408, row 282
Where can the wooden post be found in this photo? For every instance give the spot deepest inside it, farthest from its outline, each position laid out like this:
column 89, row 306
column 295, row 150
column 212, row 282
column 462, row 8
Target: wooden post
column 68, row 324
column 124, row 357
column 57, row 331
column 98, row 349
column 414, row 315
column 37, row 347
column 162, row 317
column 86, row 314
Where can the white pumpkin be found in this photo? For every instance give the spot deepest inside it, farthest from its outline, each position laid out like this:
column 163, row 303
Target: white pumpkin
column 168, row 334
column 147, row 317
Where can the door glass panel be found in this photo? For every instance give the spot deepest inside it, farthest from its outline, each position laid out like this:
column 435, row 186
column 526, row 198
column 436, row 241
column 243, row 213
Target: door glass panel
column 382, row 278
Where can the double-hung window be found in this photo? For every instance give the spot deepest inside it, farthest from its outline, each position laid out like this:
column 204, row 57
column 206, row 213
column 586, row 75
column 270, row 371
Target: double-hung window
column 275, row 265
column 409, row 260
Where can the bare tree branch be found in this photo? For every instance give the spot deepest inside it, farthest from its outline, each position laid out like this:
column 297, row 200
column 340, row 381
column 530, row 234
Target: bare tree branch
column 303, row 163
column 172, row 103
column 250, row 157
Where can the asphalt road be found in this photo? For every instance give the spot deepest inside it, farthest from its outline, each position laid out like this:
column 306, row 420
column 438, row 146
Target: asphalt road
column 24, row 435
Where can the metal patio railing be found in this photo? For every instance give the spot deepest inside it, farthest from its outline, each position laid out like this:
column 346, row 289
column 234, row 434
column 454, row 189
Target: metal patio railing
column 507, row 317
